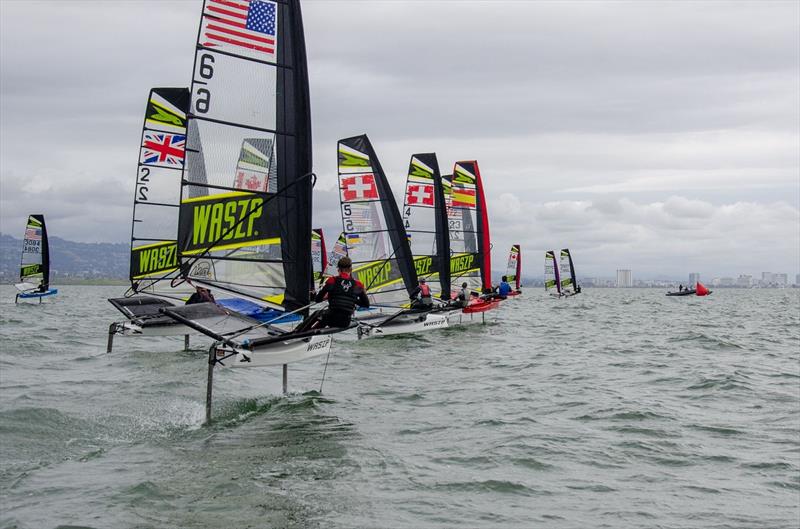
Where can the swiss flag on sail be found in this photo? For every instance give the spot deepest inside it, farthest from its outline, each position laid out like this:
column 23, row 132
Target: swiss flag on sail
column 361, row 187
column 419, row 194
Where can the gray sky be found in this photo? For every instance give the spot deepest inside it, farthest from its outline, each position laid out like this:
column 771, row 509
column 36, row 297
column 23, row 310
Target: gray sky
column 658, row 136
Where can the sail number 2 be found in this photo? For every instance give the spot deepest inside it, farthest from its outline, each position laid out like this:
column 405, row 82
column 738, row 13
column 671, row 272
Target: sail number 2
column 202, row 99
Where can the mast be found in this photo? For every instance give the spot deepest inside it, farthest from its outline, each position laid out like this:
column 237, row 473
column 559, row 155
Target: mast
column 45, row 254
column 245, row 214
column 571, row 269
column 556, row 272
column 377, row 242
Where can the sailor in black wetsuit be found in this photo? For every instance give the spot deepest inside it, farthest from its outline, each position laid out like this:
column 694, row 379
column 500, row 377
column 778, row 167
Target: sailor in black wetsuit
column 343, row 294
column 201, row 295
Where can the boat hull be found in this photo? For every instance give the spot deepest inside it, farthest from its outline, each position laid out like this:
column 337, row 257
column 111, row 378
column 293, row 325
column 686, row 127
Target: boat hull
column 274, row 354
column 403, row 325
column 34, row 295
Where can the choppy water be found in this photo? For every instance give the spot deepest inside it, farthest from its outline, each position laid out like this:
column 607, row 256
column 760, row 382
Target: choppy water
column 619, row 408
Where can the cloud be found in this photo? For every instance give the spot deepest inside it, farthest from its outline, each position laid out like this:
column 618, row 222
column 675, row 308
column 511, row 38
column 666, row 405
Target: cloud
column 626, row 131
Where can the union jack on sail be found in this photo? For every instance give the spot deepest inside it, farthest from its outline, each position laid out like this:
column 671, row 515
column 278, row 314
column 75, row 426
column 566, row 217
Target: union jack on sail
column 162, row 149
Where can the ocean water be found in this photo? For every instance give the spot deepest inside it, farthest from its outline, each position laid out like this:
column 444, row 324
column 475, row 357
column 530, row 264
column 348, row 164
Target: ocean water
column 618, row 408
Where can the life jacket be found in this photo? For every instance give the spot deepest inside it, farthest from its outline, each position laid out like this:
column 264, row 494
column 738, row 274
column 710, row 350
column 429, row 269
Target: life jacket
column 343, row 291
column 425, row 290
column 504, row 290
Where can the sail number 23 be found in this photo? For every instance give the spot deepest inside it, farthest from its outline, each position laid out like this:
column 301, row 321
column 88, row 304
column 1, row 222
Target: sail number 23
column 202, row 95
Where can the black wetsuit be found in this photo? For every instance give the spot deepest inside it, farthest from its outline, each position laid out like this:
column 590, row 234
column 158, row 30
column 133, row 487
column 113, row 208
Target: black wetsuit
column 343, row 293
column 197, row 297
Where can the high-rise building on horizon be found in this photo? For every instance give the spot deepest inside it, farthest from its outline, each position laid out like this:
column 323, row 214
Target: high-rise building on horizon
column 745, row 281
column 797, row 280
column 694, row 277
column 624, row 279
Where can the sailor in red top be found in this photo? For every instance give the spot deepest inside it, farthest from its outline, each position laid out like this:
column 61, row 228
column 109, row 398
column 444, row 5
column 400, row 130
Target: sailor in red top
column 343, row 294
column 421, row 296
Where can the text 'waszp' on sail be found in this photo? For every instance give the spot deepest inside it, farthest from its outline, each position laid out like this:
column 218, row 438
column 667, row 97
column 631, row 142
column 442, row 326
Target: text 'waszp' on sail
column 377, row 244
column 245, row 214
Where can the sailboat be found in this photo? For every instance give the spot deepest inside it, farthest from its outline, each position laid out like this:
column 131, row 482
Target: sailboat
column 251, row 241
column 569, row 284
column 514, row 270
column 378, row 245
column 34, row 272
column 154, row 226
column 552, row 277
column 470, row 246
column 699, row 290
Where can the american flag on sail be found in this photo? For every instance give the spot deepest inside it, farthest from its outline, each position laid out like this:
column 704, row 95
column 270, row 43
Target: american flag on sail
column 33, row 234
column 238, row 25
column 163, row 149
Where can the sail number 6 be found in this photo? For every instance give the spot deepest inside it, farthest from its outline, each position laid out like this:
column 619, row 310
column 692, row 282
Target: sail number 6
column 202, row 101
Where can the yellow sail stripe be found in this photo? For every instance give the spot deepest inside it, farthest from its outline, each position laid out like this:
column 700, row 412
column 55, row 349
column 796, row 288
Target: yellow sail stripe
column 206, row 198
column 234, row 246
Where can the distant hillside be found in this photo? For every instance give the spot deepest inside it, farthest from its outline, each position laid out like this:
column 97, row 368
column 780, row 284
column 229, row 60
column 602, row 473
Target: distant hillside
column 69, row 259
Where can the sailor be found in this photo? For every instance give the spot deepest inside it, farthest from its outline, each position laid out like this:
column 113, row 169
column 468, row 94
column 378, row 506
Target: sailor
column 504, row 289
column 421, row 296
column 201, row 295
column 462, row 299
column 343, row 294
column 680, row 288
